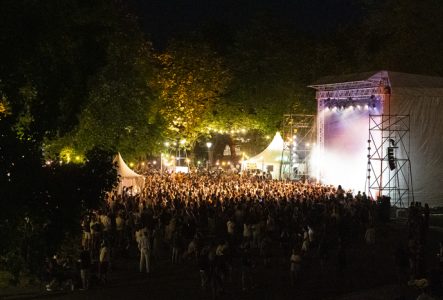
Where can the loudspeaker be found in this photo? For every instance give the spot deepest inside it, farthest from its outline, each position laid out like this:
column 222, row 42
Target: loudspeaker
column 391, row 158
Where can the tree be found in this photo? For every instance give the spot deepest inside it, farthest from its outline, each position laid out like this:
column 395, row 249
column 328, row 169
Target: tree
column 120, row 114
column 405, row 36
column 190, row 81
column 36, row 220
column 269, row 78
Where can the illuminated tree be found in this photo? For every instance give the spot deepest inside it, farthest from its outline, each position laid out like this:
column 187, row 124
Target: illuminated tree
column 120, row 114
column 189, row 83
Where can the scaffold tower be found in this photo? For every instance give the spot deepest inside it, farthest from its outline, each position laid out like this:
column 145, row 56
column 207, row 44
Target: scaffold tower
column 389, row 166
column 299, row 136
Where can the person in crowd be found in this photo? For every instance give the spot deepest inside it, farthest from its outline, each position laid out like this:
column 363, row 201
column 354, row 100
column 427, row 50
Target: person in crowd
column 85, row 267
column 145, row 249
column 177, row 246
column 246, row 268
column 203, row 264
column 104, row 261
column 295, row 266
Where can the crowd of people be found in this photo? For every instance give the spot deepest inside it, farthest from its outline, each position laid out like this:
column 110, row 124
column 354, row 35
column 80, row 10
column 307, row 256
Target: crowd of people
column 226, row 224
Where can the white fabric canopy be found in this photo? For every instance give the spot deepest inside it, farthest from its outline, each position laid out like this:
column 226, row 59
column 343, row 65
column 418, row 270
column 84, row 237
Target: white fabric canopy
column 269, row 159
column 127, row 177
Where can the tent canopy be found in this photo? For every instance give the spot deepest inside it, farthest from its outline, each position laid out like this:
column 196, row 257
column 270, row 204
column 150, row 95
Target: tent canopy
column 127, row 177
column 269, row 159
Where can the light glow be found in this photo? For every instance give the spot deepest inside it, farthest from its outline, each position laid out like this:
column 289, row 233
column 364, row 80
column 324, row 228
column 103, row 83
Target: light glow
column 344, row 157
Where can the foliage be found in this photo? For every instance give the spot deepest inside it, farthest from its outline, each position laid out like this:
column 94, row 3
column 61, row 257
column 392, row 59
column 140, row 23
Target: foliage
column 402, row 35
column 37, row 219
column 120, row 113
column 190, row 81
column 268, row 78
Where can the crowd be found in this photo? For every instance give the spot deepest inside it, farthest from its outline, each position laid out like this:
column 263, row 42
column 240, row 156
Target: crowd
column 226, row 224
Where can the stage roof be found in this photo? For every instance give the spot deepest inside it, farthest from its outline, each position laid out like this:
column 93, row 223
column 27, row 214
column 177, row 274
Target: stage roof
column 397, row 79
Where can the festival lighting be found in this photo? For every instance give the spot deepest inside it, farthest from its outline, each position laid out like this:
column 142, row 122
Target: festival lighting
column 341, row 158
column 166, row 144
column 154, row 162
column 131, row 164
column 182, row 142
column 348, row 104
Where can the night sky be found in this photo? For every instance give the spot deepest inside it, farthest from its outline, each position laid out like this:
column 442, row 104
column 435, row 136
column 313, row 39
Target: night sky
column 164, row 19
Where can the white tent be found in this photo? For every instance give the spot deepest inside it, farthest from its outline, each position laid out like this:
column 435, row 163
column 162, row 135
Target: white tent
column 127, row 177
column 269, row 159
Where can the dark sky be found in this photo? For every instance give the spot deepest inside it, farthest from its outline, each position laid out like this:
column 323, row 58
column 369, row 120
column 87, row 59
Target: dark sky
column 163, row 19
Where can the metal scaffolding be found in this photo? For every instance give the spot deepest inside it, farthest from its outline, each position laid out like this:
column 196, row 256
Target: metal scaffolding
column 389, row 168
column 299, row 136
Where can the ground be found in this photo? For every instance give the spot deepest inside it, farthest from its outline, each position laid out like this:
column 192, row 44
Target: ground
column 366, row 277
